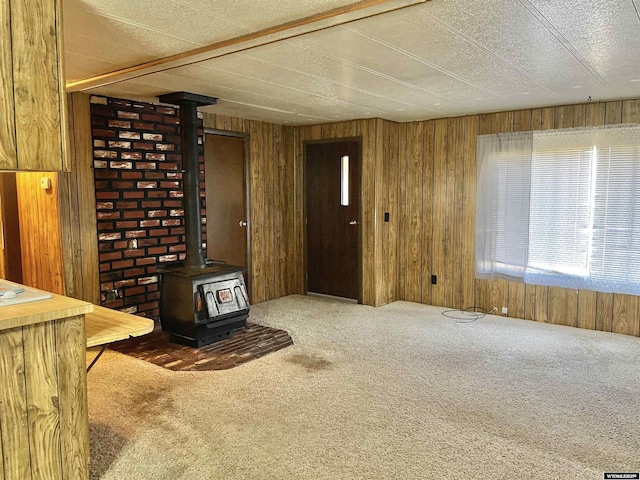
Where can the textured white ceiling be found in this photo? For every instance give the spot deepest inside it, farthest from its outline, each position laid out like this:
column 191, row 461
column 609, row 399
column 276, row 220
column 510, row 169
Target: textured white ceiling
column 436, row 59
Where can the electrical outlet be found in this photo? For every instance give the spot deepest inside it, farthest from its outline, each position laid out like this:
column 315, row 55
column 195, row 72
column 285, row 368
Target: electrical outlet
column 505, row 310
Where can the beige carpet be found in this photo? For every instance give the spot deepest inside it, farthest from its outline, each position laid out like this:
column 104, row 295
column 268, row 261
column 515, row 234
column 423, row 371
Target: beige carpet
column 397, row 392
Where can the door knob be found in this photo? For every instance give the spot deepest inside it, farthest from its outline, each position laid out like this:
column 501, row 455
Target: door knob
column 353, row 222
column 242, row 223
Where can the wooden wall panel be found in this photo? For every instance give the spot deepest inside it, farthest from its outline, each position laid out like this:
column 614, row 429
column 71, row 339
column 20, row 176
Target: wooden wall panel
column 8, row 154
column 13, row 405
column 40, row 232
column 415, row 138
column 391, row 172
column 452, row 221
column 78, row 207
column 40, row 137
column 428, row 156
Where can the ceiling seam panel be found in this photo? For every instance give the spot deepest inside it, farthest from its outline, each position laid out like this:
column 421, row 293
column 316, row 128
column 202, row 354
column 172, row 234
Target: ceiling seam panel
column 368, row 70
column 424, row 62
column 635, row 7
column 350, row 87
column 311, row 94
column 222, row 87
column 497, row 57
column 142, row 26
column 529, row 7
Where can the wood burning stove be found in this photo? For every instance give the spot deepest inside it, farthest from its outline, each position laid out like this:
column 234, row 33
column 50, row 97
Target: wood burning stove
column 204, row 306
column 200, row 302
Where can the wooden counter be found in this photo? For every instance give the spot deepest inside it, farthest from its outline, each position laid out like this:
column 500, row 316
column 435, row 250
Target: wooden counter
column 43, row 390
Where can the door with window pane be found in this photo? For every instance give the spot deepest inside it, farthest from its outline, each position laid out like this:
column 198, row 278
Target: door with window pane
column 333, row 218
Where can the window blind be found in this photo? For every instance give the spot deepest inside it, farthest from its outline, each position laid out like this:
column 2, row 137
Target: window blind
column 565, row 215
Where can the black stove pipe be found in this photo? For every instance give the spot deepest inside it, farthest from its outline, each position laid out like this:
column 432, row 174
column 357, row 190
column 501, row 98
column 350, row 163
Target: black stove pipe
column 189, row 104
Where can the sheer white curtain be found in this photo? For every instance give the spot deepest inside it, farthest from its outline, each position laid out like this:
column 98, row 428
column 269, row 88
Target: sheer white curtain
column 502, row 212
column 561, row 208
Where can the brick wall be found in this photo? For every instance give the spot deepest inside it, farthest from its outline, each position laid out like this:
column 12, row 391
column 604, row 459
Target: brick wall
column 138, row 183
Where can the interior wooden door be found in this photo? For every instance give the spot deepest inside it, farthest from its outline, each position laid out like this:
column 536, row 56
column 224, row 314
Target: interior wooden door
column 225, row 199
column 333, row 218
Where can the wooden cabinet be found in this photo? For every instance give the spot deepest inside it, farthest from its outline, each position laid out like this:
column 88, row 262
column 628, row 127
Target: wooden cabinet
column 33, row 124
column 44, row 430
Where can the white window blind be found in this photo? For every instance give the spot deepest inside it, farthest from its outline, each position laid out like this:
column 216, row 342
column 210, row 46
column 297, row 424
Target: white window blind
column 574, row 222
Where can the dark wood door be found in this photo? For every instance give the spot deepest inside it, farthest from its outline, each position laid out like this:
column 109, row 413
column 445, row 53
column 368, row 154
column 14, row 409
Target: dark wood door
column 333, row 229
column 225, row 198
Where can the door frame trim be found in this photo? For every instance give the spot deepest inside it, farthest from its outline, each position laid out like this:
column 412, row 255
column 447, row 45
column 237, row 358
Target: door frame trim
column 246, row 145
column 360, row 246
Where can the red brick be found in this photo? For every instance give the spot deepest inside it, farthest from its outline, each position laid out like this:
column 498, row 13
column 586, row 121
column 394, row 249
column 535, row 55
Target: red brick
column 127, row 224
column 172, row 203
column 167, row 240
column 142, row 126
column 107, row 196
column 131, row 175
column 177, row 231
column 177, row 248
column 110, row 236
column 168, row 166
column 122, row 205
column 174, row 175
column 150, row 223
column 131, row 156
column 174, row 222
column 122, row 264
column 155, row 213
column 155, row 175
column 177, row 213
column 156, row 194
column 121, row 165
column 147, row 242
column 134, row 291
column 134, row 194
column 110, row 215
column 147, row 306
column 133, row 272
column 165, row 147
column 119, row 124
column 119, row 144
column 150, row 203
column 157, row 250
column 135, row 233
column 174, row 120
column 134, row 253
column 102, row 132
column 155, row 156
column 151, row 117
column 168, row 185
column 122, row 185
column 129, row 135
column 110, row 256
column 104, row 154
column 147, row 184
column 166, row 128
column 154, row 137
column 167, row 258
column 146, row 261
column 120, row 245
column 146, row 165
column 166, row 110
column 143, row 146
column 129, row 115
column 147, row 280
column 124, row 283
column 133, row 214
column 158, row 232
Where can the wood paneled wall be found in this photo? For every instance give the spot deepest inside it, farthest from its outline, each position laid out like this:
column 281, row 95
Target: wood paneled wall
column 373, row 184
column 436, row 190
column 40, row 232
column 275, row 253
column 78, row 207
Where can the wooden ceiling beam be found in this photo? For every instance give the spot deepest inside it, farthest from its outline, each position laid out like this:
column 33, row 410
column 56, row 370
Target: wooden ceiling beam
column 320, row 21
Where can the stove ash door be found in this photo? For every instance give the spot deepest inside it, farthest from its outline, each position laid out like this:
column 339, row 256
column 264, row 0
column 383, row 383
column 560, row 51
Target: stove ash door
column 224, row 298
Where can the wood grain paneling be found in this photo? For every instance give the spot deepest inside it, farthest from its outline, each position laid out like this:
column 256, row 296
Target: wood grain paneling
column 42, row 399
column 72, row 396
column 13, row 406
column 415, row 138
column 40, row 232
column 8, row 154
column 78, row 207
column 451, row 241
column 426, row 229
column 36, row 77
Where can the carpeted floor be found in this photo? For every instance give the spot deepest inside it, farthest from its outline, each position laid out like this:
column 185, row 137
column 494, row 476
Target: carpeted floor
column 247, row 343
column 397, row 392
